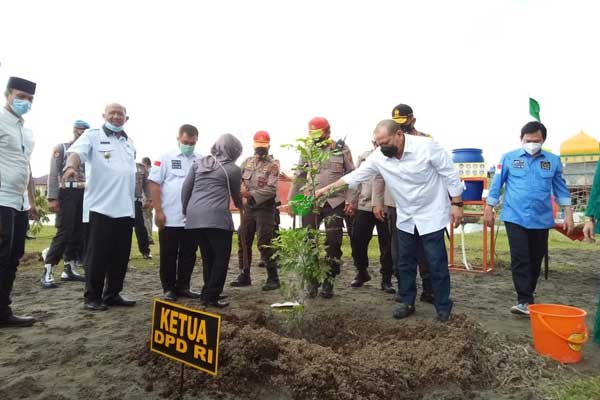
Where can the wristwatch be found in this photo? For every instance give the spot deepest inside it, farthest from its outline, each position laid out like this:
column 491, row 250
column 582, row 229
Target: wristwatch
column 458, row 203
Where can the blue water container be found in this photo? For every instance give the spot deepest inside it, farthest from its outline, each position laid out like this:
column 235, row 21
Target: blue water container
column 473, row 189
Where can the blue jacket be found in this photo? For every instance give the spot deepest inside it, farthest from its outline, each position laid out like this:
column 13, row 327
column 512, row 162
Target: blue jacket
column 529, row 183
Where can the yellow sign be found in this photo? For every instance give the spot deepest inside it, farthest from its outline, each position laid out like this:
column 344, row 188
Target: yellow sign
column 186, row 335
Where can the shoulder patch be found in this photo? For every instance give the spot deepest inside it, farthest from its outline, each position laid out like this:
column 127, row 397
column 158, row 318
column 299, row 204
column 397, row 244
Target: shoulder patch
column 157, row 163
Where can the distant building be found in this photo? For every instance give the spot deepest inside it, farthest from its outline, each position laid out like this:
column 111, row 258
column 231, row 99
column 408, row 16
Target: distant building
column 579, row 155
column 41, row 184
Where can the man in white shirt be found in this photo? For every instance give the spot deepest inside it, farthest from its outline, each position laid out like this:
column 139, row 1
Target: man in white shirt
column 177, row 245
column 16, row 145
column 108, row 206
column 420, row 175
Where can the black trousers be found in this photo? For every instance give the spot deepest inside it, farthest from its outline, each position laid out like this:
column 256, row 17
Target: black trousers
column 177, row 257
column 13, row 227
column 140, row 229
column 362, row 233
column 527, row 249
column 262, row 223
column 69, row 227
column 424, row 269
column 333, row 233
column 215, row 249
column 107, row 257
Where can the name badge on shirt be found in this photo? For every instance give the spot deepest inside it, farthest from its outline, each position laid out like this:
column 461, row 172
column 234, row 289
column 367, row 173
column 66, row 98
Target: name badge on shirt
column 545, row 165
column 104, row 142
column 175, row 164
column 518, row 164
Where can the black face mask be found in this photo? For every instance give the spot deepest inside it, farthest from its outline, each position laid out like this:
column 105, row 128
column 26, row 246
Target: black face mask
column 262, row 152
column 389, row 151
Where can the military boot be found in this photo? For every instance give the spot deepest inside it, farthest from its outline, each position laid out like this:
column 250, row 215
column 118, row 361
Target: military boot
column 242, row 280
column 47, row 279
column 70, row 274
column 272, row 279
column 327, row 290
column 361, row 277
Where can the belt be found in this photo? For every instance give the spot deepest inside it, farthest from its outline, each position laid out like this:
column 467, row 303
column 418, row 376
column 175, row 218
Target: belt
column 72, row 185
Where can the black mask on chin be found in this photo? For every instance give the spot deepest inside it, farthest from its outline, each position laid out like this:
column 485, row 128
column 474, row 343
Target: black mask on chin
column 406, row 128
column 262, row 152
column 389, row 151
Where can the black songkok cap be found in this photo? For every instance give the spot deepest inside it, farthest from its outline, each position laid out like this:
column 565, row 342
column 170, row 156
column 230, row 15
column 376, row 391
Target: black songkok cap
column 21, row 84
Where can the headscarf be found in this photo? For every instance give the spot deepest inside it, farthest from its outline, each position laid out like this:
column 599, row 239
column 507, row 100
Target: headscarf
column 226, row 149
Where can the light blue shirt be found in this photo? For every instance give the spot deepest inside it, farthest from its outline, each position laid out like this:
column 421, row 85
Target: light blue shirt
column 110, row 169
column 420, row 182
column 528, row 184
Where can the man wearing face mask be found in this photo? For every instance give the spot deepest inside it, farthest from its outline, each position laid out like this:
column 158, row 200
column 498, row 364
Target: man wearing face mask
column 108, row 206
column 260, row 176
column 343, row 203
column 530, row 177
column 177, row 249
column 420, row 175
column 403, row 115
column 15, row 148
column 66, row 200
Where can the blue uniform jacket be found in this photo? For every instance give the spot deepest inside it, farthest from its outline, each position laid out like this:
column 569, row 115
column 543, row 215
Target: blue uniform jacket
column 529, row 183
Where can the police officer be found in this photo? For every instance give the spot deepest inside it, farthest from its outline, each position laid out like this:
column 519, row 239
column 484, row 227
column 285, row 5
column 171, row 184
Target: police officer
column 364, row 223
column 148, row 207
column 16, row 143
column 337, row 166
column 141, row 193
column 66, row 200
column 177, row 245
column 531, row 176
column 260, row 175
column 108, row 206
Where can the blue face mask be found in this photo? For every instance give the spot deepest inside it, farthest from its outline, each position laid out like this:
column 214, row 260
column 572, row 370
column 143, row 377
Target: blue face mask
column 112, row 127
column 186, row 149
column 20, row 107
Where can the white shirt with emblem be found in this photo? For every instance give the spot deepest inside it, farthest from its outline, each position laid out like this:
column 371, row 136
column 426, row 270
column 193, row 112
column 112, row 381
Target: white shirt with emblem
column 110, row 168
column 16, row 145
column 169, row 173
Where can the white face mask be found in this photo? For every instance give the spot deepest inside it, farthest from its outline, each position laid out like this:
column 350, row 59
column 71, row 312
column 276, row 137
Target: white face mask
column 531, row 148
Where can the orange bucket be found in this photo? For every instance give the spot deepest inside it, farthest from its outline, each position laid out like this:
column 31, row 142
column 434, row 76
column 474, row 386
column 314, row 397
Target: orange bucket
column 558, row 331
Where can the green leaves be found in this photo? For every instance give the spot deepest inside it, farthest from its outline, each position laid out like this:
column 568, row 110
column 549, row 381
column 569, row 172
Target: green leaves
column 41, row 204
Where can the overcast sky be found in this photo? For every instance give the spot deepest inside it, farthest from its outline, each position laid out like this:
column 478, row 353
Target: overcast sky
column 466, row 67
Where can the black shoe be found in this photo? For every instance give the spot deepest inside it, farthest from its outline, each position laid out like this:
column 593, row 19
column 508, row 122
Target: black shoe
column 170, row 295
column 190, row 294
column 242, row 280
column 216, row 303
column 271, row 284
column 404, row 310
column 427, row 297
column 386, row 286
column 13, row 321
column 151, row 242
column 147, row 256
column 327, row 289
column 69, row 275
column 262, row 264
column 360, row 279
column 312, row 289
column 119, row 301
column 94, row 306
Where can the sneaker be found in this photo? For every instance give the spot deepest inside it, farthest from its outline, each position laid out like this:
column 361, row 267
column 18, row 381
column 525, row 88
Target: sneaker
column 520, row 309
column 47, row 279
column 147, row 256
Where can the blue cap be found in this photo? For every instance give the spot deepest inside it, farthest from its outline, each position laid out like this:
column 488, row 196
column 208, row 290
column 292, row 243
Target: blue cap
column 81, row 124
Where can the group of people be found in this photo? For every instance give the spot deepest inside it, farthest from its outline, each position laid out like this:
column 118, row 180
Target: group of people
column 406, row 187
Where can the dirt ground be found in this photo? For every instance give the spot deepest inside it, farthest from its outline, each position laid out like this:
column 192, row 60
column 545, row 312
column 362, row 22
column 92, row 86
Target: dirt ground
column 346, row 348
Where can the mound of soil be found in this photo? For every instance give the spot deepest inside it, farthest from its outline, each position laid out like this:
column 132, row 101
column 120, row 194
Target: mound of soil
column 345, row 357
